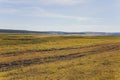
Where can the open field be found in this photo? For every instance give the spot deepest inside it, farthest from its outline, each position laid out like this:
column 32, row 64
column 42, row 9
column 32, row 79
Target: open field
column 57, row 57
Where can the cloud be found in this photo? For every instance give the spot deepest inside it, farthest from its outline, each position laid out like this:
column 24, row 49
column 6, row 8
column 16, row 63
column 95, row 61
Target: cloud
column 63, row 2
column 50, row 2
column 7, row 11
column 39, row 12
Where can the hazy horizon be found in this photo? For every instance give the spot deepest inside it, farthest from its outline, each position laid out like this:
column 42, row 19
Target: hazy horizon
column 61, row 15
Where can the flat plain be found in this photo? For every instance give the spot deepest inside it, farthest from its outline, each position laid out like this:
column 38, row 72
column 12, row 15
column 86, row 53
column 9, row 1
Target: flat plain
column 59, row 57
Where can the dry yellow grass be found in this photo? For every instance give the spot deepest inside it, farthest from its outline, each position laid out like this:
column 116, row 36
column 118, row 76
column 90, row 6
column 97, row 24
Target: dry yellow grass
column 47, row 57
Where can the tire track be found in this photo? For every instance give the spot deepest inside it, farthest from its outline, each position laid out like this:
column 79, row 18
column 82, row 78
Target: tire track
column 50, row 50
column 28, row 62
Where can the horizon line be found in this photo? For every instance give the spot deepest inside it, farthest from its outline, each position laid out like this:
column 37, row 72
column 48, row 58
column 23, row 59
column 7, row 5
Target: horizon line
column 60, row 31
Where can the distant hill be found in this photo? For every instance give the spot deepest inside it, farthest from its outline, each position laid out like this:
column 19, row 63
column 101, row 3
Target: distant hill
column 28, row 32
column 59, row 32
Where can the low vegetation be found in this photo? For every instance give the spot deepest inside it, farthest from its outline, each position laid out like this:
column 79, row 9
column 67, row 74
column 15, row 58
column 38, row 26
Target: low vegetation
column 58, row 57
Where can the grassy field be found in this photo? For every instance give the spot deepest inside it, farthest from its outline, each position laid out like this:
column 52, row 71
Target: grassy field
column 57, row 57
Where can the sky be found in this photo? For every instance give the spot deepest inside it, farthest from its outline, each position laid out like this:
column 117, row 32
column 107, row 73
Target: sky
column 61, row 15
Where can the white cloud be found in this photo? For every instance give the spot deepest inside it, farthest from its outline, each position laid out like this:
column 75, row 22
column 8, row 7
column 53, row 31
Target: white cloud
column 56, row 2
column 63, row 2
column 7, row 11
column 39, row 12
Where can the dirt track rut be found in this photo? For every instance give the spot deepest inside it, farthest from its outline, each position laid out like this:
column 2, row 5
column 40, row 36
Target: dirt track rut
column 27, row 62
